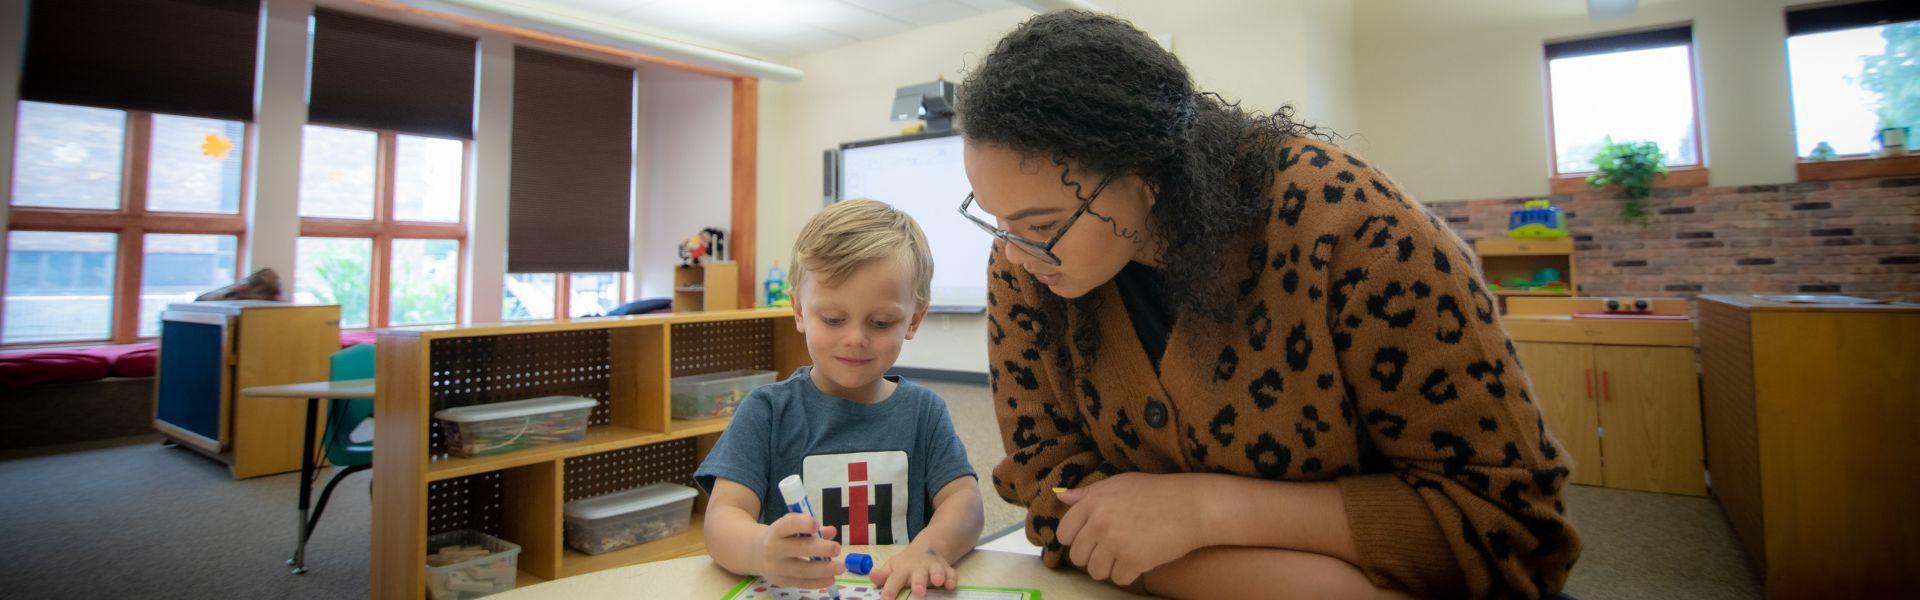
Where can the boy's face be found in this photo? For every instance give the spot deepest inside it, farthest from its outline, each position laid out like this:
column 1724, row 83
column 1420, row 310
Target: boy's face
column 855, row 331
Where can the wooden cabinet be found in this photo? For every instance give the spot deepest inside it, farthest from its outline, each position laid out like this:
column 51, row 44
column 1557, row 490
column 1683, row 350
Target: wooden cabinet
column 1812, row 412
column 209, row 351
column 1625, row 403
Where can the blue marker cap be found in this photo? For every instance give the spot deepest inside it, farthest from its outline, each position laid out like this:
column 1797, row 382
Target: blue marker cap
column 859, row 564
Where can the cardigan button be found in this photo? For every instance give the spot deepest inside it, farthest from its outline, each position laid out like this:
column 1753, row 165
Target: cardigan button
column 1156, row 413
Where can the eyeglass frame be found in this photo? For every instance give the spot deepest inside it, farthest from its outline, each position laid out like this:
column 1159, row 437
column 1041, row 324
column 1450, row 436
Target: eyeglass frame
column 1031, row 247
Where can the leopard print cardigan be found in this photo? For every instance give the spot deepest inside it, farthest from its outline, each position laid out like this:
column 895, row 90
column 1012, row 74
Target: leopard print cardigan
column 1366, row 351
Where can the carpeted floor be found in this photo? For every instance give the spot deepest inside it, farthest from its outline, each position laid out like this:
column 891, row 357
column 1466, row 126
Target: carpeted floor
column 129, row 518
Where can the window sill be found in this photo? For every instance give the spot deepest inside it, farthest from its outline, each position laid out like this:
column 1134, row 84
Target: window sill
column 1858, row 168
column 1678, row 177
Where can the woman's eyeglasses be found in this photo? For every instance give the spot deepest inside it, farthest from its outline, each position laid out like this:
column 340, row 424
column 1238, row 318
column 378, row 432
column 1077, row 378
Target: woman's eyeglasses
column 1040, row 250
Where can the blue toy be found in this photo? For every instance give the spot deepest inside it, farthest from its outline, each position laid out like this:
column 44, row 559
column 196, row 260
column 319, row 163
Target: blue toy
column 779, row 293
column 1537, row 219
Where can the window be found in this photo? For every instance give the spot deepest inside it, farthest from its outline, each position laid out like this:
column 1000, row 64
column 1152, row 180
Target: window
column 336, row 271
column 59, row 286
column 1628, row 87
column 381, row 226
column 593, row 294
column 179, row 267
column 530, row 296
column 336, row 172
column 91, row 258
column 426, row 278
column 544, row 295
column 68, row 156
column 1853, row 70
column 195, row 165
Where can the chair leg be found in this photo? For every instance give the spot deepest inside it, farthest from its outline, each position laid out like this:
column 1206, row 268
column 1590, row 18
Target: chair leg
column 320, row 508
column 328, row 492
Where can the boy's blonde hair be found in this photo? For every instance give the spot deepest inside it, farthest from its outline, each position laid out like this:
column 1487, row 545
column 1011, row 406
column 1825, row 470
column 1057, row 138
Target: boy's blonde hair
column 852, row 232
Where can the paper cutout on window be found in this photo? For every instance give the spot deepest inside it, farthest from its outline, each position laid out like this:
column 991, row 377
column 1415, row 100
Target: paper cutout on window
column 216, row 146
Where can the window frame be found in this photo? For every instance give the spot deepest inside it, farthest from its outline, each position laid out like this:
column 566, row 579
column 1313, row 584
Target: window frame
column 132, row 221
column 1694, row 175
column 1824, row 19
column 383, row 228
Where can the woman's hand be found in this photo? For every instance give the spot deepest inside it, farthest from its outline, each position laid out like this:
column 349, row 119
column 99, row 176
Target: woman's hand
column 787, row 550
column 915, row 568
column 1131, row 523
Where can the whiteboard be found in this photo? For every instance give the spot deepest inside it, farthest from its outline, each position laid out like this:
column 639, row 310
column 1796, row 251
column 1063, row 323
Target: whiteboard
column 924, row 176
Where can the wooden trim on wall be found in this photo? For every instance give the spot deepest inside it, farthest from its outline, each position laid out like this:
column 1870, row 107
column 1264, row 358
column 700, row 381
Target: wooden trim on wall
column 746, row 137
column 1677, row 177
column 1857, row 168
column 604, row 51
column 56, row 219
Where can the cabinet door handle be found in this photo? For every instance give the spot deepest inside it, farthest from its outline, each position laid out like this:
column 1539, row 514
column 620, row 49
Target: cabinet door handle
column 1606, row 387
column 1589, row 384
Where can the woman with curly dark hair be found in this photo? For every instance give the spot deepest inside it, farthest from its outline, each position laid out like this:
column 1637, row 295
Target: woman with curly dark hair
column 1229, row 358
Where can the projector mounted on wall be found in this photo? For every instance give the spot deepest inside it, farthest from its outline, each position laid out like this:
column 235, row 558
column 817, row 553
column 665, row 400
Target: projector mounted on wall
column 932, row 101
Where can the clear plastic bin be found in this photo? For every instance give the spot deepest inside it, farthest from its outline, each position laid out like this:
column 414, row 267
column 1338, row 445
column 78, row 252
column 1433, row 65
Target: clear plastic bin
column 464, row 563
column 714, row 395
column 606, row 523
column 504, row 427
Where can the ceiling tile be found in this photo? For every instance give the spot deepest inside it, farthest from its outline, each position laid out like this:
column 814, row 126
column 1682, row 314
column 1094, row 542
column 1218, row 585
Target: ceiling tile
column 935, row 12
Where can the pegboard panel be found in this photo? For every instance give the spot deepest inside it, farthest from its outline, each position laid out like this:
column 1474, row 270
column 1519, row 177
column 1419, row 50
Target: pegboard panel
column 500, row 368
column 609, row 472
column 722, row 346
column 471, row 502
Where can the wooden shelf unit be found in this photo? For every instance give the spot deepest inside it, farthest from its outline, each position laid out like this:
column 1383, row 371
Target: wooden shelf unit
column 625, row 362
column 1503, row 258
column 710, row 286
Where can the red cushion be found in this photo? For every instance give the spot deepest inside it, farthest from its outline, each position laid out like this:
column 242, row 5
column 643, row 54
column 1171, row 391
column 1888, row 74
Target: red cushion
column 139, row 362
column 22, row 369
column 349, row 338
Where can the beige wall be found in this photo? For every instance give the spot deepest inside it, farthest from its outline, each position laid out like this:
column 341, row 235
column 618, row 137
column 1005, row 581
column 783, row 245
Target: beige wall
column 1453, row 94
column 1263, row 53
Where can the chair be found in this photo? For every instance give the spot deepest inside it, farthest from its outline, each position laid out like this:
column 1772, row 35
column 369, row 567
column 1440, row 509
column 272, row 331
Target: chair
column 347, row 456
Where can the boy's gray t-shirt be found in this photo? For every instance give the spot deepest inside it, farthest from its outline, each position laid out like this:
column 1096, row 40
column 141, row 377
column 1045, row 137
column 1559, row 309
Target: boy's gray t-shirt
column 871, row 470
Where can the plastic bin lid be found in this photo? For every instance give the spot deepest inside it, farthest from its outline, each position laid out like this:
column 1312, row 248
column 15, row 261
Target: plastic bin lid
column 516, row 408
column 633, row 500
column 705, row 377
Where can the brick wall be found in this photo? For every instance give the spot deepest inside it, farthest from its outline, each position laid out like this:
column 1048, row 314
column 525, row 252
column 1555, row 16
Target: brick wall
column 1856, row 237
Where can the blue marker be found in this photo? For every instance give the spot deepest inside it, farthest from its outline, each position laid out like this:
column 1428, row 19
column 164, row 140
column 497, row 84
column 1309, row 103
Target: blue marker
column 795, row 495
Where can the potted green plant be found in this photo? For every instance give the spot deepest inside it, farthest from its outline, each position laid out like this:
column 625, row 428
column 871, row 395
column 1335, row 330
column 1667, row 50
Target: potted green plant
column 1632, row 166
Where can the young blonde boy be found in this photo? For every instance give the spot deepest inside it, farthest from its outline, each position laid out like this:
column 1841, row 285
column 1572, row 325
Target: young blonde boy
column 878, row 454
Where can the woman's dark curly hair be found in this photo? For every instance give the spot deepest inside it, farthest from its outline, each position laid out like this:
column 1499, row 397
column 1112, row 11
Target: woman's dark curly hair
column 1090, row 91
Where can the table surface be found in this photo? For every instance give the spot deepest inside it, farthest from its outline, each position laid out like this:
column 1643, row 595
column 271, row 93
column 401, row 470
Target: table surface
column 343, row 389
column 698, row 577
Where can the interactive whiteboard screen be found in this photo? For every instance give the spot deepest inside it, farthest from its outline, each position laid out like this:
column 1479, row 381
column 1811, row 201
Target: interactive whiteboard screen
column 923, row 175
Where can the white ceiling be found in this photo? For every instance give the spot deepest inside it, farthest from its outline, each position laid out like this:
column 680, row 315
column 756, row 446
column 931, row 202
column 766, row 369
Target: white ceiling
column 771, row 28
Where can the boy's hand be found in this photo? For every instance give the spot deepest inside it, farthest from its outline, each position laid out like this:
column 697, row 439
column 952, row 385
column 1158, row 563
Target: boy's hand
column 786, row 557
column 915, row 568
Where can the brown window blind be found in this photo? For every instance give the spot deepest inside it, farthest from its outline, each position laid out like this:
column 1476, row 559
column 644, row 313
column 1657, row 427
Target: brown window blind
column 188, row 57
column 572, row 164
column 375, row 74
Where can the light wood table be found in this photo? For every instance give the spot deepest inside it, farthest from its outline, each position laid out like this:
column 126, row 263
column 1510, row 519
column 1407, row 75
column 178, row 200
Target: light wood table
column 314, row 392
column 698, row 577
